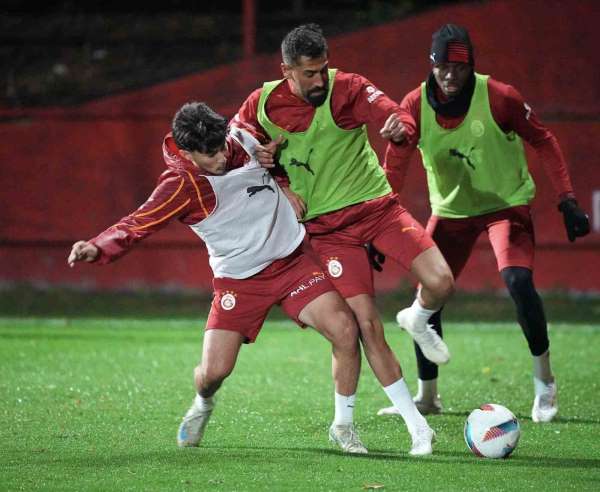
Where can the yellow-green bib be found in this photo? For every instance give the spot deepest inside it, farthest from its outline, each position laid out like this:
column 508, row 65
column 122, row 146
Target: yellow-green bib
column 475, row 168
column 329, row 167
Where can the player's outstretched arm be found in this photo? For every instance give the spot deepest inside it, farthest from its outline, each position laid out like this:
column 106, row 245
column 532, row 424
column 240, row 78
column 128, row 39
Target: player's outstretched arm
column 82, row 251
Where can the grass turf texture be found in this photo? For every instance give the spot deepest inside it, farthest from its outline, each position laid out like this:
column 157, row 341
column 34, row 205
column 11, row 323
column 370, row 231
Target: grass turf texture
column 94, row 404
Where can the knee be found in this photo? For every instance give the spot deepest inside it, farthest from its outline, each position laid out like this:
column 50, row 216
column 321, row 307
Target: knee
column 441, row 283
column 518, row 280
column 211, row 377
column 344, row 332
column 371, row 331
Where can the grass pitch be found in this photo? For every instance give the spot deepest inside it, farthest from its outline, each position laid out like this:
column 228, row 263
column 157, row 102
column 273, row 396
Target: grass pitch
column 94, row 404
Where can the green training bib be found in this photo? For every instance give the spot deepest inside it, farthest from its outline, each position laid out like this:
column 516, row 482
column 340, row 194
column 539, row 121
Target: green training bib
column 329, row 167
column 475, row 168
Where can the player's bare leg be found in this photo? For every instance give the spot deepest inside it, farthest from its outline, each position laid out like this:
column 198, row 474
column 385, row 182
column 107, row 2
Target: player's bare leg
column 386, row 368
column 219, row 354
column 436, row 286
column 331, row 317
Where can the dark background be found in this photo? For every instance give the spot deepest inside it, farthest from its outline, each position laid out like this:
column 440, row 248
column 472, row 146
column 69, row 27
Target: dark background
column 67, row 52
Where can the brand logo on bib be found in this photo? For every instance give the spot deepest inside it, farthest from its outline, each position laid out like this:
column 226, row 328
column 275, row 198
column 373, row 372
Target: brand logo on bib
column 253, row 190
column 466, row 158
column 334, row 267
column 296, row 163
column 228, row 300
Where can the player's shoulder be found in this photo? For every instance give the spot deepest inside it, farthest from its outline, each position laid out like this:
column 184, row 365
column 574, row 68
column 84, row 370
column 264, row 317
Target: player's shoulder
column 412, row 100
column 414, row 94
column 502, row 89
column 349, row 78
column 351, row 85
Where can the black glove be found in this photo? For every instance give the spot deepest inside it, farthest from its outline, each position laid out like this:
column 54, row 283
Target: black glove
column 376, row 258
column 576, row 220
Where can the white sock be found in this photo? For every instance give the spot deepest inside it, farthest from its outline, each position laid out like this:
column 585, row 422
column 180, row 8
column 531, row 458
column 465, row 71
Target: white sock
column 427, row 389
column 400, row 396
column 541, row 367
column 202, row 403
column 344, row 409
column 420, row 313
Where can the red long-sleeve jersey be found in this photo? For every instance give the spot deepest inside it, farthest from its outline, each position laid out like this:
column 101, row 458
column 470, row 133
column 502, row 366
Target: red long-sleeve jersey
column 182, row 193
column 355, row 101
column 511, row 113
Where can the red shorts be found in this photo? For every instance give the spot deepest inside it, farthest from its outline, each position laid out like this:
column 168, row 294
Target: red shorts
column 242, row 305
column 339, row 238
column 510, row 232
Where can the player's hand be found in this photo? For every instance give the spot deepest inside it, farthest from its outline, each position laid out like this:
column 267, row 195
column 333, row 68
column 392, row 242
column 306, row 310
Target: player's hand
column 393, row 129
column 376, row 258
column 82, row 251
column 576, row 220
column 297, row 203
column 265, row 154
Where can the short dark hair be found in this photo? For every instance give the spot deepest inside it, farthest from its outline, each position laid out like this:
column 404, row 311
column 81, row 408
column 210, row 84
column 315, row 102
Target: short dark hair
column 305, row 40
column 196, row 127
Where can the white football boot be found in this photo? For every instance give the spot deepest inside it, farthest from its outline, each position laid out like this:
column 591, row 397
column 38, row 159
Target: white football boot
column 346, row 437
column 432, row 346
column 192, row 426
column 422, row 440
column 545, row 405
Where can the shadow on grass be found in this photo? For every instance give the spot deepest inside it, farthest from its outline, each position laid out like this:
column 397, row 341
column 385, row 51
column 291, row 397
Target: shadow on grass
column 558, row 420
column 258, row 454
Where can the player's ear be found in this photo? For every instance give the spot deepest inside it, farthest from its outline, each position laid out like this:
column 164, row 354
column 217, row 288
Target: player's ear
column 286, row 70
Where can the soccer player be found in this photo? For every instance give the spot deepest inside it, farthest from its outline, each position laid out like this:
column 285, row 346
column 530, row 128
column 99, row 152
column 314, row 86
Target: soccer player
column 257, row 251
column 470, row 130
column 340, row 192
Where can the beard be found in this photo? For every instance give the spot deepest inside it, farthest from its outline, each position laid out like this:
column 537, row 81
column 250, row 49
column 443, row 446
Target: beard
column 316, row 97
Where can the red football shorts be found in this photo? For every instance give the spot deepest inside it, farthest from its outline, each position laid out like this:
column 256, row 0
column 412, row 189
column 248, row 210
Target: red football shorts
column 242, row 305
column 510, row 232
column 339, row 238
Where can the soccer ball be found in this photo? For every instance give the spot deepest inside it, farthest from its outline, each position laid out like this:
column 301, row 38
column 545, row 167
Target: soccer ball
column 492, row 431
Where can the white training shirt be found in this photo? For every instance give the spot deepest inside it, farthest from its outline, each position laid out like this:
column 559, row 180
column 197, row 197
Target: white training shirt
column 253, row 223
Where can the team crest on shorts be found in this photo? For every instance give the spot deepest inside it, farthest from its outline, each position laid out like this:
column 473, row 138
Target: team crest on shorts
column 334, row 267
column 228, row 300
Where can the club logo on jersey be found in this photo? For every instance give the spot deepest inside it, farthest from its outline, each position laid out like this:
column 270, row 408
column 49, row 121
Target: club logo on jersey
column 334, row 267
column 253, row 190
column 466, row 158
column 228, row 300
column 296, row 163
column 315, row 279
column 477, row 128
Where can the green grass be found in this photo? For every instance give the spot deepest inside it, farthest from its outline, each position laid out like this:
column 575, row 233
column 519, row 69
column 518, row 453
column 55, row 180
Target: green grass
column 94, row 404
